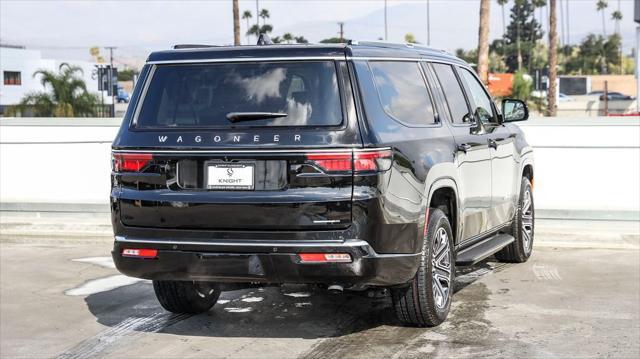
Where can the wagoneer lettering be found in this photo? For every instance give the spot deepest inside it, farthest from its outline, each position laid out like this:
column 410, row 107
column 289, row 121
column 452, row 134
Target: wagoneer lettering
column 349, row 166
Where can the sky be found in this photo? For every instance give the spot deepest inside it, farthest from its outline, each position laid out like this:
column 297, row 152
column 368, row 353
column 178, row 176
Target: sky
column 67, row 29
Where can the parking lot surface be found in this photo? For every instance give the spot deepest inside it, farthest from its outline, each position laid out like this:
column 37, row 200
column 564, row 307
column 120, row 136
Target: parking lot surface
column 63, row 298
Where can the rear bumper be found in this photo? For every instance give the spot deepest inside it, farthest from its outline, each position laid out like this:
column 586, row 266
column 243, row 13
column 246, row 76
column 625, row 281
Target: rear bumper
column 264, row 261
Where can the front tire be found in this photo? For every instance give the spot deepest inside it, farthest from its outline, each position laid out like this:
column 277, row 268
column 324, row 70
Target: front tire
column 426, row 301
column 186, row 297
column 522, row 229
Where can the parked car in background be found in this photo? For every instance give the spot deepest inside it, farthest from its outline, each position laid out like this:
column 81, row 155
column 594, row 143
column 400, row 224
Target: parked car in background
column 122, row 96
column 565, row 98
column 366, row 166
column 616, row 96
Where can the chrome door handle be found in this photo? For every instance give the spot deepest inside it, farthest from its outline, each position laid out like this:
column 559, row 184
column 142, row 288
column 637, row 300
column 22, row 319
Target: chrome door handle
column 493, row 144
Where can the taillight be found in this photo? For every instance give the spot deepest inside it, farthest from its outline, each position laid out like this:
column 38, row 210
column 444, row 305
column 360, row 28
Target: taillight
column 332, row 162
column 372, row 161
column 325, row 257
column 130, row 162
column 140, row 253
column 359, row 161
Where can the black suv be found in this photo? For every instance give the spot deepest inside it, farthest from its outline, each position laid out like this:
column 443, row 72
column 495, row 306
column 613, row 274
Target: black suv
column 359, row 166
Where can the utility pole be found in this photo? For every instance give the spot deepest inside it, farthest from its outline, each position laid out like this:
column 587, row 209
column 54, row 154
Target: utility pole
column 113, row 101
column 341, row 32
column 428, row 25
column 257, row 16
column 385, row 20
column 553, row 60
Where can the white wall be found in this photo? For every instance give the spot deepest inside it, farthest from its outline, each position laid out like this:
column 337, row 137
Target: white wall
column 581, row 164
column 27, row 62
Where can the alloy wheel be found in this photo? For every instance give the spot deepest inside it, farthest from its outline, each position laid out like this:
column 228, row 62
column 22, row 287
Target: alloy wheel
column 441, row 268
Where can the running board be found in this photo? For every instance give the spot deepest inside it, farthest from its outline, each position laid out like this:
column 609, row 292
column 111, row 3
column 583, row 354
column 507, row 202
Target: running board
column 484, row 249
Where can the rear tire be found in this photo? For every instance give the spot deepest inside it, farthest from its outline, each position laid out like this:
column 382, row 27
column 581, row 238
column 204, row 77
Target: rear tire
column 522, row 228
column 426, row 301
column 186, row 297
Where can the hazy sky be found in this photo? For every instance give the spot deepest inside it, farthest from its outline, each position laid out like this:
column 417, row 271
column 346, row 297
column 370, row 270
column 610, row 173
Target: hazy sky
column 66, row 29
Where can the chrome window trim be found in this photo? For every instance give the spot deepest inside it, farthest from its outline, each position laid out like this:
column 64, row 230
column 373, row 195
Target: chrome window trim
column 142, row 96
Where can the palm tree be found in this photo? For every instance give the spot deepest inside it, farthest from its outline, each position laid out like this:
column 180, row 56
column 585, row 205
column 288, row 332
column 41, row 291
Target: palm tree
column 502, row 3
column 617, row 16
column 287, row 37
column 246, row 15
column 236, row 23
column 68, row 96
column 483, row 41
column 600, row 6
column 553, row 60
column 264, row 15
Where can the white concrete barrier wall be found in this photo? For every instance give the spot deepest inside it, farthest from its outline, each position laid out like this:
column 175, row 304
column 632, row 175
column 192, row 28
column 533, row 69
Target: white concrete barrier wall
column 589, row 165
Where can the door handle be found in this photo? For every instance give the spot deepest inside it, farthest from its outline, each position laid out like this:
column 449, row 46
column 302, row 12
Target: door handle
column 493, row 144
column 464, row 147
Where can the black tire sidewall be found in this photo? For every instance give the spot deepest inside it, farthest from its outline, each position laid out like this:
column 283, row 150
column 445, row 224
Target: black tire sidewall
column 437, row 220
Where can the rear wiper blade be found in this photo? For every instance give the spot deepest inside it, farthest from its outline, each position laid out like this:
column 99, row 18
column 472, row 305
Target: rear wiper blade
column 253, row 116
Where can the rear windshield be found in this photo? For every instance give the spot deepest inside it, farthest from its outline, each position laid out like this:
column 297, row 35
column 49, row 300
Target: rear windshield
column 203, row 95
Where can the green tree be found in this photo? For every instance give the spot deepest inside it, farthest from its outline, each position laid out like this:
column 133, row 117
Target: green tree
column 287, row 37
column 522, row 86
column 127, row 74
column 68, row 95
column 246, row 15
column 600, row 6
column 522, row 34
column 334, row 40
column 596, row 55
column 301, row 40
column 264, row 15
column 409, row 38
column 617, row 17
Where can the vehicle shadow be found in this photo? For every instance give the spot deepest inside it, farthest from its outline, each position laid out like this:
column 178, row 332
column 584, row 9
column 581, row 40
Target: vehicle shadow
column 290, row 311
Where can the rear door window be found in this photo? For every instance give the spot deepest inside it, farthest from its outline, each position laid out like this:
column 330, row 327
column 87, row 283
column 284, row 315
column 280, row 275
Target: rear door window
column 203, row 95
column 455, row 100
column 403, row 92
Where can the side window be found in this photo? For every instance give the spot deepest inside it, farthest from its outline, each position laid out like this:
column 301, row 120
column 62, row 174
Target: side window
column 455, row 100
column 482, row 101
column 403, row 92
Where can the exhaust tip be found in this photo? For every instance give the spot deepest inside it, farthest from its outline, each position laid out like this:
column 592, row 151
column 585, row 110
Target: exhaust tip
column 335, row 289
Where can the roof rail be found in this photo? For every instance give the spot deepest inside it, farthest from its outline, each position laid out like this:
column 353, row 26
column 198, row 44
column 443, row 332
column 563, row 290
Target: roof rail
column 191, row 46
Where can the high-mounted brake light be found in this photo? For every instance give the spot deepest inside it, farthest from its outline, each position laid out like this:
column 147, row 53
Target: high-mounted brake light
column 325, row 257
column 360, row 161
column 130, row 162
column 140, row 253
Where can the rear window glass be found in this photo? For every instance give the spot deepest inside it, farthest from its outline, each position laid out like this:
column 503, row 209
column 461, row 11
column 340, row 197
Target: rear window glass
column 403, row 92
column 300, row 93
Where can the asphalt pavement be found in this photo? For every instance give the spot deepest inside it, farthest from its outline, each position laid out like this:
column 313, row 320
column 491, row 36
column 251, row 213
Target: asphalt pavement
column 60, row 296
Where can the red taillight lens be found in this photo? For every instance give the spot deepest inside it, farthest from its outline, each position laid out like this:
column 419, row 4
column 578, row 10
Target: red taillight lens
column 130, row 162
column 360, row 161
column 332, row 162
column 325, row 257
column 376, row 160
column 140, row 253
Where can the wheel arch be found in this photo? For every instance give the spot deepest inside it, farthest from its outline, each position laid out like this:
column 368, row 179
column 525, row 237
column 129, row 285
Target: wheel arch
column 443, row 194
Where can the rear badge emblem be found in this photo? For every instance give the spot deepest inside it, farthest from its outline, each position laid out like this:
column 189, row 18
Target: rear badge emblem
column 229, row 172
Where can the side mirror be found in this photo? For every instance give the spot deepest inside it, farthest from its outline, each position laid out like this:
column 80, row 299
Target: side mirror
column 514, row 110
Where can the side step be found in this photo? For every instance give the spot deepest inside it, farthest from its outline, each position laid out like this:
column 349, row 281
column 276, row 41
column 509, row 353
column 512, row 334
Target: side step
column 484, row 249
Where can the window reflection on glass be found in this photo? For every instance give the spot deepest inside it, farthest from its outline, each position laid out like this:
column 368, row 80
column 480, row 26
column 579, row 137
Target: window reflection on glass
column 403, row 92
column 484, row 111
column 456, row 102
column 203, row 95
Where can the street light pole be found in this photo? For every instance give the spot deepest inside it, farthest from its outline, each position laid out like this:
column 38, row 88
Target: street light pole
column 113, row 101
column 385, row 20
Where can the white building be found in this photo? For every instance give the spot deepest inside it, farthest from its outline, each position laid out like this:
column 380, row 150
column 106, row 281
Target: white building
column 17, row 66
